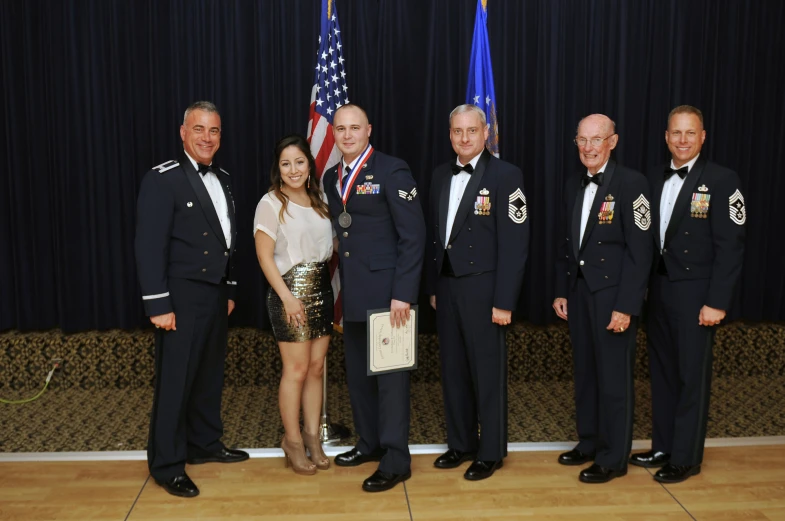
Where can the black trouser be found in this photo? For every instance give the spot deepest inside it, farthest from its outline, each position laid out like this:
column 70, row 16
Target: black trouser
column 680, row 357
column 473, row 356
column 189, row 370
column 380, row 404
column 603, row 366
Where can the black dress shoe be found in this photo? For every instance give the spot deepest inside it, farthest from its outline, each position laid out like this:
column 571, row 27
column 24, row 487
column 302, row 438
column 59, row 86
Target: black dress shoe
column 180, row 486
column 223, row 455
column 354, row 457
column 575, row 457
column 453, row 458
column 482, row 469
column 598, row 474
column 381, row 481
column 676, row 473
column 650, row 459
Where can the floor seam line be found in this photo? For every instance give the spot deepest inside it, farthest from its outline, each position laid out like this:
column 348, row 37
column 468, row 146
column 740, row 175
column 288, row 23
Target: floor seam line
column 408, row 503
column 137, row 498
column 672, row 496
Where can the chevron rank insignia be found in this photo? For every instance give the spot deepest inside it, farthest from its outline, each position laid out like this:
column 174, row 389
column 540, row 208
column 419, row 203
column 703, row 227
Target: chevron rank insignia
column 517, row 207
column 409, row 196
column 642, row 213
column 738, row 212
column 163, row 167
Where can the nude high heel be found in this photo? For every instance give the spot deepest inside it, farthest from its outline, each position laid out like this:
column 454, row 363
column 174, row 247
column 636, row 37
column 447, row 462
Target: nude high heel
column 314, row 446
column 294, row 455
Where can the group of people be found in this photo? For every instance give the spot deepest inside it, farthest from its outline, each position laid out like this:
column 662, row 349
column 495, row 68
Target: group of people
column 679, row 257
column 471, row 250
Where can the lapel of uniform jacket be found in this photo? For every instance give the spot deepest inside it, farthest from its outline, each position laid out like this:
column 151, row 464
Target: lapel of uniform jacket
column 229, row 207
column 599, row 198
column 657, row 186
column 577, row 207
column 208, row 208
column 329, row 180
column 681, row 207
column 470, row 194
column 444, row 204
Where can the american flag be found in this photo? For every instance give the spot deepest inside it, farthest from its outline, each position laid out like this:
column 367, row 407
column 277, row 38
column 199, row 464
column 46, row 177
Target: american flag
column 329, row 93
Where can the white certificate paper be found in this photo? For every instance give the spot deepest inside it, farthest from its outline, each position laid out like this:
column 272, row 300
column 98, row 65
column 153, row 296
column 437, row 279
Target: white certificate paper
column 391, row 349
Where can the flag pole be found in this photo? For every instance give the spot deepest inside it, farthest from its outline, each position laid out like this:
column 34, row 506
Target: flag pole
column 330, row 74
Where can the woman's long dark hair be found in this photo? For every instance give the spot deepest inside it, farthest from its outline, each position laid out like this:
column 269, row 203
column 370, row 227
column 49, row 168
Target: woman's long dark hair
column 311, row 185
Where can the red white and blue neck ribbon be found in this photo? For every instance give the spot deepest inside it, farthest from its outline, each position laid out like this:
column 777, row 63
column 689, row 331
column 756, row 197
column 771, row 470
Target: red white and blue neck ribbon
column 344, row 189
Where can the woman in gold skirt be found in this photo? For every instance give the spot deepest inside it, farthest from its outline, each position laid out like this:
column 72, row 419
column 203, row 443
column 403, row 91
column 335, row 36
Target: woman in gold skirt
column 294, row 243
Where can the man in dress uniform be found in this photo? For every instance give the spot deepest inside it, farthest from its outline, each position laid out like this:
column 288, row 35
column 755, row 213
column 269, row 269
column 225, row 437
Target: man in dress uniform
column 602, row 273
column 699, row 217
column 381, row 234
column 185, row 238
column 477, row 248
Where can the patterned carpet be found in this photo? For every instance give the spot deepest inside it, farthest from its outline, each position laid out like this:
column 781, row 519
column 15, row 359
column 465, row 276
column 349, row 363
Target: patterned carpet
column 117, row 419
column 102, row 398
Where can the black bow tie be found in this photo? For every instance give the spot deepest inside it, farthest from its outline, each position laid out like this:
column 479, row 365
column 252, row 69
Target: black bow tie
column 586, row 179
column 457, row 169
column 203, row 169
column 681, row 171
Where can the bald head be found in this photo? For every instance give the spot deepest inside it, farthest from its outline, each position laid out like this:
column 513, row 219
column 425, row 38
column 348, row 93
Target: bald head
column 601, row 120
column 596, row 137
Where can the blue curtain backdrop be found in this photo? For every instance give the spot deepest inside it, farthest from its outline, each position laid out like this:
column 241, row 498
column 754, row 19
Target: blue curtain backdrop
column 92, row 95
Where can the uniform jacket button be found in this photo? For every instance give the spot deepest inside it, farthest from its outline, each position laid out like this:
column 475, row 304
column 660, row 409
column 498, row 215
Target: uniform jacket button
column 568, row 273
column 226, row 254
column 686, row 251
column 606, row 276
column 470, row 229
column 471, row 263
column 665, row 250
column 602, row 260
column 449, row 246
column 346, row 254
column 688, row 269
column 205, row 234
column 599, row 242
column 206, row 252
column 470, row 246
column 346, row 234
column 581, row 263
column 204, row 270
column 686, row 233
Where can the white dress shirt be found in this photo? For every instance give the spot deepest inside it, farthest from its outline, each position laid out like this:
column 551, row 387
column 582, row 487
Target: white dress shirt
column 588, row 199
column 670, row 192
column 216, row 192
column 457, row 187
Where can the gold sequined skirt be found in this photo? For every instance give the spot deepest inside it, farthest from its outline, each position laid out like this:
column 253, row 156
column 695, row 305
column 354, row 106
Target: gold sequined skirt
column 309, row 282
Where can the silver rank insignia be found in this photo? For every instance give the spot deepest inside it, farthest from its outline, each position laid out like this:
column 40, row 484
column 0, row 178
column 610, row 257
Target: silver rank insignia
column 703, row 188
column 738, row 212
column 517, row 207
column 168, row 165
column 368, row 177
column 642, row 213
column 408, row 196
column 189, row 204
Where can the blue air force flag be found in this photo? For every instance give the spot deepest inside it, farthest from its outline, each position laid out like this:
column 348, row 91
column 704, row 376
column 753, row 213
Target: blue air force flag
column 479, row 89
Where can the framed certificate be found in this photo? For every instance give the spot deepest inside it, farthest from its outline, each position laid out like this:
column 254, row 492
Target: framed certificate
column 391, row 349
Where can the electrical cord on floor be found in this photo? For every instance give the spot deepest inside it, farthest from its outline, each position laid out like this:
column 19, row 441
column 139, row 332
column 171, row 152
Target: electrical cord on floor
column 28, row 400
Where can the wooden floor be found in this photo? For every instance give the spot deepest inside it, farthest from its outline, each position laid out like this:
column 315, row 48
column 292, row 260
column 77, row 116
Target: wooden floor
column 737, row 483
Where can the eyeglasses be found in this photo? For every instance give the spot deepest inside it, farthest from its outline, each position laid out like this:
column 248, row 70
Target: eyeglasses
column 595, row 141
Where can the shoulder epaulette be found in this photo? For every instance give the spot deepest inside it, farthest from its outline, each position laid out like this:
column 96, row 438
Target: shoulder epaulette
column 163, row 167
column 224, row 171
